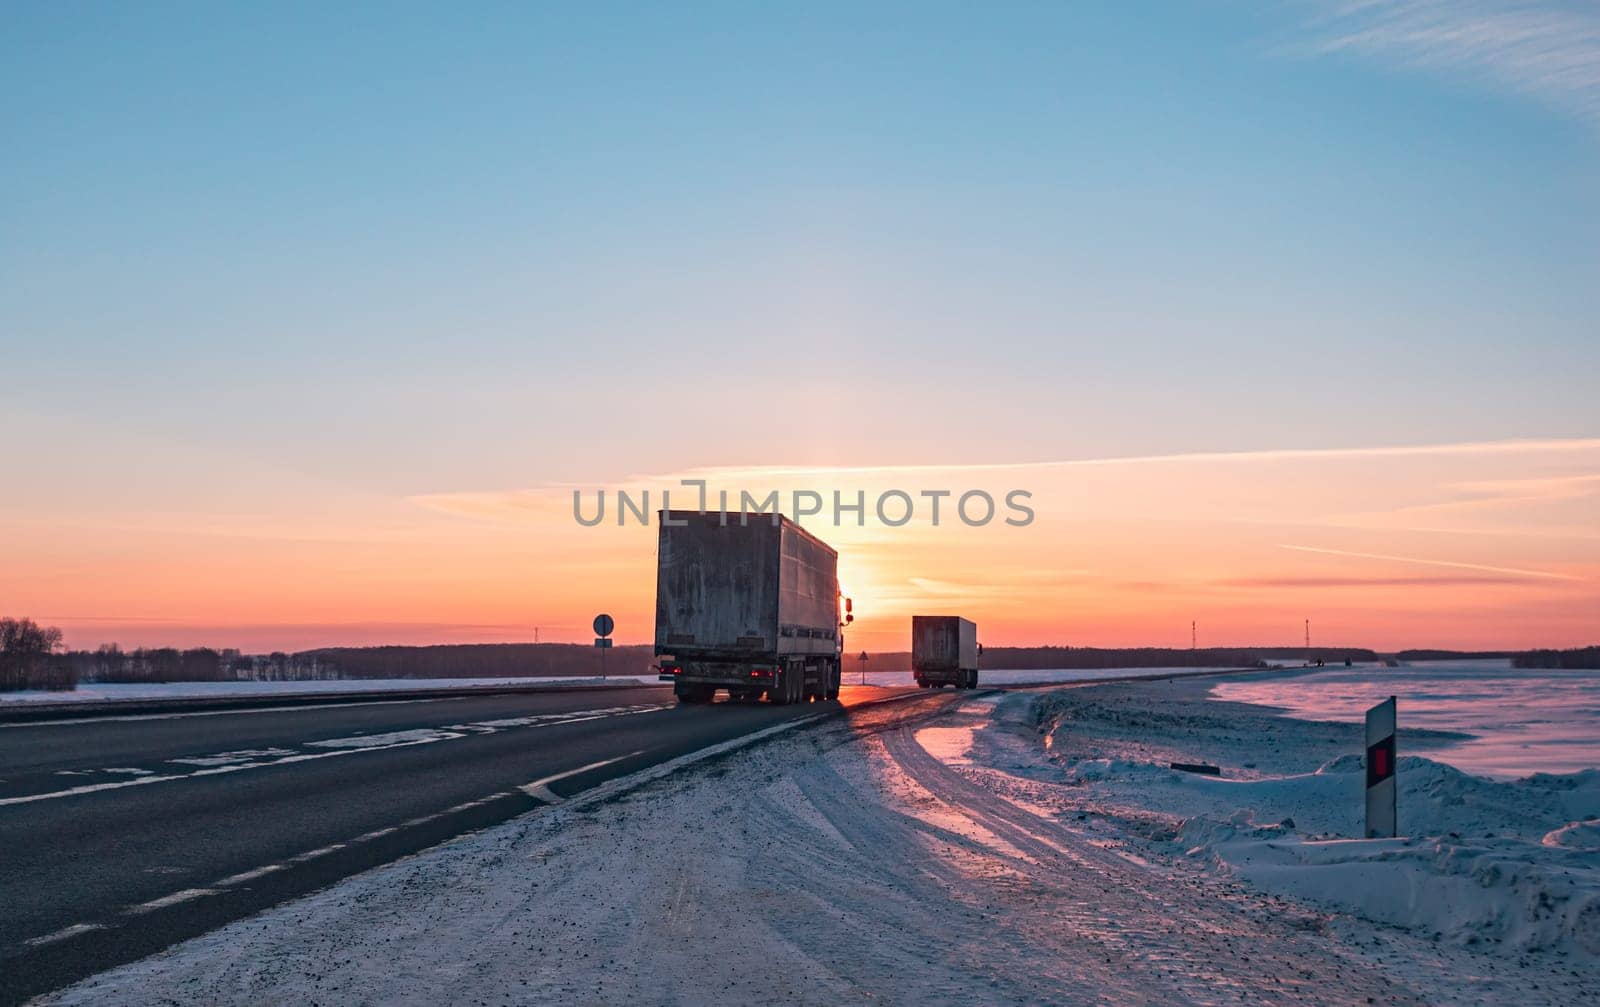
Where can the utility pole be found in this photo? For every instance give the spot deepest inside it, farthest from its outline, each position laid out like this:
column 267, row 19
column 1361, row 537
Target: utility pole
column 1192, row 638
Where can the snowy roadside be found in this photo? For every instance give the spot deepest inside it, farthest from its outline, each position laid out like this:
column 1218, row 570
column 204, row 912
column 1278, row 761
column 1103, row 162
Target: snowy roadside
column 882, row 857
column 1509, row 867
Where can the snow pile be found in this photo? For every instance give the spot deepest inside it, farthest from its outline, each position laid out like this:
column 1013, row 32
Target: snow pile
column 1485, row 863
column 1489, row 892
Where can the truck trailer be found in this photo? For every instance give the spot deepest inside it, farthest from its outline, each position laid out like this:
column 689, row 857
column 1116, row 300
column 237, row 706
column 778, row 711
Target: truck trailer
column 747, row 605
column 944, row 651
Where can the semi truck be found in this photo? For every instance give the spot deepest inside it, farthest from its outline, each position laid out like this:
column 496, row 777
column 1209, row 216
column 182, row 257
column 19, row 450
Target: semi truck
column 747, row 604
column 944, row 651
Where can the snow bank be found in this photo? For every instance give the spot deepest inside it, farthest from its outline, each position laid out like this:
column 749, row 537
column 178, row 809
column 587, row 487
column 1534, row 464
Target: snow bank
column 1490, row 892
column 1512, row 865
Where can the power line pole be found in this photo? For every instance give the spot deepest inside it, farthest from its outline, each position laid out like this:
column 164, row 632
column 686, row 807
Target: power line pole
column 1308, row 636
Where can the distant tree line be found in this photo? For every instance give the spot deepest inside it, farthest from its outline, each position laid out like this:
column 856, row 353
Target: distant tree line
column 1577, row 658
column 30, row 658
column 109, row 663
column 1408, row 656
column 482, row 660
column 1088, row 658
column 1037, row 658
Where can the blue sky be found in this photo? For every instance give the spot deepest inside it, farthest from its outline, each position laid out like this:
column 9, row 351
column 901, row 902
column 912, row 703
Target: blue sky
column 411, row 250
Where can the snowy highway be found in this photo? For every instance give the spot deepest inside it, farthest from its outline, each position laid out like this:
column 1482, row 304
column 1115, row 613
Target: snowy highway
column 956, row 848
column 125, row 834
column 899, row 847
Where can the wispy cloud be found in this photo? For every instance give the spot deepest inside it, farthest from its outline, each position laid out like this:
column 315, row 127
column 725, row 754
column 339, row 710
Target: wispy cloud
column 1451, row 564
column 1502, row 447
column 1499, row 493
column 553, row 501
column 1549, row 49
column 1448, row 580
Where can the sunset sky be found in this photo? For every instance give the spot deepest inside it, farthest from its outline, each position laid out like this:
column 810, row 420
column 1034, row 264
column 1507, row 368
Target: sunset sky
column 313, row 318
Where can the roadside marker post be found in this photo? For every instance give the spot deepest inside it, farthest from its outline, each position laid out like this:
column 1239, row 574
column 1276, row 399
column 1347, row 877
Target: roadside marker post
column 1381, row 784
column 603, row 625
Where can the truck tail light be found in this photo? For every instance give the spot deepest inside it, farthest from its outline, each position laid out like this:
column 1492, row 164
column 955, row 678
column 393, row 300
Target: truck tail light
column 760, row 672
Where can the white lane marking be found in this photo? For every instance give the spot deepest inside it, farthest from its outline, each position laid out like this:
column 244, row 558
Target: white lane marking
column 321, row 851
column 126, row 771
column 417, row 736
column 367, row 837
column 244, row 876
column 187, row 895
column 573, row 717
column 65, row 933
column 540, row 789
column 227, row 758
column 92, row 788
column 480, row 802
column 88, row 788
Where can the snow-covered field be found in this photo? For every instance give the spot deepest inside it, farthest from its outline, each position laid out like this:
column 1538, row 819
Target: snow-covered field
column 1030, row 848
column 1522, row 721
column 1510, row 866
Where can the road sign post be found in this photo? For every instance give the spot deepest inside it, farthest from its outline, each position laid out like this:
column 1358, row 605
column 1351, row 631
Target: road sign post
column 1381, row 784
column 603, row 625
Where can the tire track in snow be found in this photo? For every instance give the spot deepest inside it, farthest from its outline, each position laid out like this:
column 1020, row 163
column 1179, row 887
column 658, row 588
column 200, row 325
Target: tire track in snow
column 1197, row 950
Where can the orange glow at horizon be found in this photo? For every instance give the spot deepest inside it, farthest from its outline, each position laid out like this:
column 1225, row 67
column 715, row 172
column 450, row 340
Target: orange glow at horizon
column 1474, row 546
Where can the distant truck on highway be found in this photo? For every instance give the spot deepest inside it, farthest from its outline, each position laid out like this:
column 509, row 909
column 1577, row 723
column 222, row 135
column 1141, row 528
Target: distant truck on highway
column 944, row 651
column 749, row 606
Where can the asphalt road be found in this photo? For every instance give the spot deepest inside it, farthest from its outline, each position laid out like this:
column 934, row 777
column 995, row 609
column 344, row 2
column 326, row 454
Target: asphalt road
column 122, row 835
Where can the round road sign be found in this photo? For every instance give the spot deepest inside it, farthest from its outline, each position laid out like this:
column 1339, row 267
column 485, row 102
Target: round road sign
column 603, row 625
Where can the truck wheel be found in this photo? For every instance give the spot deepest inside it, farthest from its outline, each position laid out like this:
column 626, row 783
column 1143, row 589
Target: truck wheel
column 782, row 691
column 834, row 676
column 693, row 694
